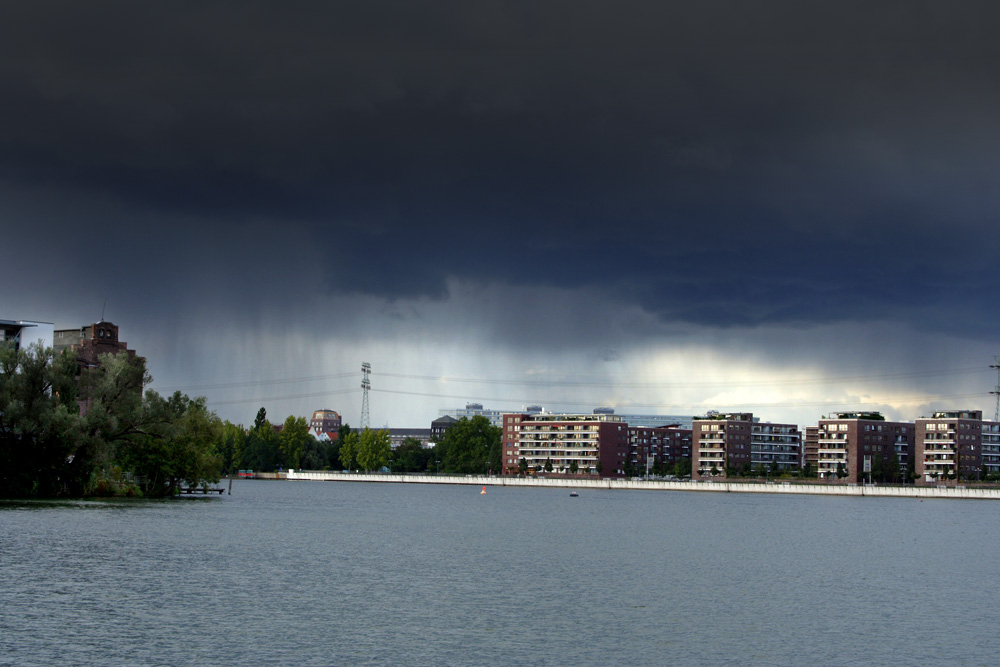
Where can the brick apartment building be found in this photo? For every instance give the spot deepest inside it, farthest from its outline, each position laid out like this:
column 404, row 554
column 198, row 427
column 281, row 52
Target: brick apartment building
column 720, row 442
column 949, row 445
column 810, row 447
column 595, row 443
column 850, row 442
column 651, row 445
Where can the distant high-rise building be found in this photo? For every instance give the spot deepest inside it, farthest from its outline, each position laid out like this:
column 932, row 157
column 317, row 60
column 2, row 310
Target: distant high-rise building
column 474, row 410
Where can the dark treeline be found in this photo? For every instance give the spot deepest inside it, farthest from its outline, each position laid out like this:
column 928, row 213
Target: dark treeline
column 65, row 431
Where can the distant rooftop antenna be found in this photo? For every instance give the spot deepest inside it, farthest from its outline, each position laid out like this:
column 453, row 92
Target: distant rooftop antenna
column 366, row 384
column 996, row 392
column 104, row 308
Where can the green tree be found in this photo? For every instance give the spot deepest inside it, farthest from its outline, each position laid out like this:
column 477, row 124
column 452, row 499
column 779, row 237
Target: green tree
column 878, row 467
column 260, row 450
column 349, row 451
column 112, row 413
column 892, row 468
column 548, row 465
column 97, row 433
column 293, row 441
column 176, row 446
column 411, row 456
column 522, row 466
column 682, row 468
column 470, row 446
column 374, row 449
column 39, row 420
column 231, row 446
column 574, row 466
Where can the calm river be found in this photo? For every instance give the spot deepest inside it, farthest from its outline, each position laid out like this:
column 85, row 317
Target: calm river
column 328, row 573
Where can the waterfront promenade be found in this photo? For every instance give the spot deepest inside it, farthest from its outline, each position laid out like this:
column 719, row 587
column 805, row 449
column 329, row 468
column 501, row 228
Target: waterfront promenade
column 647, row 485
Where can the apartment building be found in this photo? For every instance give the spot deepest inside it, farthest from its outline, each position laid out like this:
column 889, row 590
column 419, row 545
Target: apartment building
column 775, row 447
column 588, row 444
column 949, row 445
column 720, row 442
column 810, row 448
column 651, row 445
column 854, row 445
column 991, row 448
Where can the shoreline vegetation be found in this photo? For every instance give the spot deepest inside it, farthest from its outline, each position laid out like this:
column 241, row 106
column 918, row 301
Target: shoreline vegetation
column 72, row 431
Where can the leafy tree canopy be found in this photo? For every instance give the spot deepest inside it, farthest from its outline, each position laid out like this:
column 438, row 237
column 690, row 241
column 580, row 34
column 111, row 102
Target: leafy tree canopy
column 64, row 434
column 470, row 446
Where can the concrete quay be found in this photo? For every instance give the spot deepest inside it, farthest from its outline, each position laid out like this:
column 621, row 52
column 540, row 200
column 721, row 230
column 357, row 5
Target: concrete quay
column 649, row 485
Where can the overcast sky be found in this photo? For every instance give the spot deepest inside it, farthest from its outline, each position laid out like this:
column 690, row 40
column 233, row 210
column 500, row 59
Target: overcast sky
column 780, row 207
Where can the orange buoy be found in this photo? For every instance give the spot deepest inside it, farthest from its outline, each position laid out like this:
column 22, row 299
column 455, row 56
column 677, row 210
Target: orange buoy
column 483, row 492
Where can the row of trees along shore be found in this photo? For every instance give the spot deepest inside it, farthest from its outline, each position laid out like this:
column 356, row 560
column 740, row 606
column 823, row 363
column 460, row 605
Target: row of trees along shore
column 470, row 446
column 131, row 442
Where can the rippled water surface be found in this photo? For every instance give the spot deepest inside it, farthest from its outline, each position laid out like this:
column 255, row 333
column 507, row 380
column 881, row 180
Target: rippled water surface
column 328, row 573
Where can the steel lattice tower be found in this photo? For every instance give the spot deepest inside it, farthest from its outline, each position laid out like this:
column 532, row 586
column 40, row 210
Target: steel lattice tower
column 996, row 392
column 366, row 384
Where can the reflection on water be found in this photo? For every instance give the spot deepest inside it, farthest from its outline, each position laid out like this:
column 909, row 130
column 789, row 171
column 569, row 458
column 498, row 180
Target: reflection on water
column 315, row 573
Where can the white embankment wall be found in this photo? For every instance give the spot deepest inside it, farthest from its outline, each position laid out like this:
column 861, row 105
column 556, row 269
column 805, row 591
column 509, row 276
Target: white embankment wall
column 643, row 485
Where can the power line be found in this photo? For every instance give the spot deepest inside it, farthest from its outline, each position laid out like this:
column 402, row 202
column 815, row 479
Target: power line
column 290, row 397
column 684, row 385
column 996, row 411
column 256, row 383
column 584, row 382
column 798, row 404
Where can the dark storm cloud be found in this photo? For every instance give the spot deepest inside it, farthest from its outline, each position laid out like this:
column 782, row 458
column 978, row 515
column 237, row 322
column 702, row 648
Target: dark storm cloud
column 726, row 163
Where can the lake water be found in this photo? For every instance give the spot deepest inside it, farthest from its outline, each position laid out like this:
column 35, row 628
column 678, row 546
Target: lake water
column 327, row 573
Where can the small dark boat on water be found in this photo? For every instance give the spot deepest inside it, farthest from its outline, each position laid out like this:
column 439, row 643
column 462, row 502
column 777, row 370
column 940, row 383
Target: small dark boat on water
column 573, row 494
